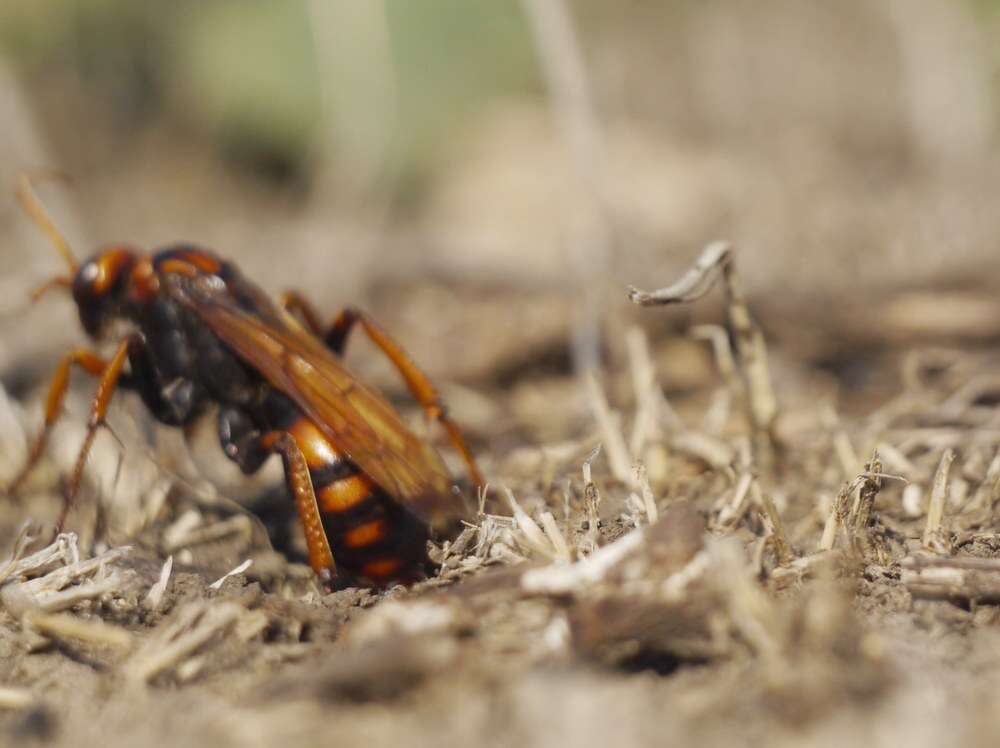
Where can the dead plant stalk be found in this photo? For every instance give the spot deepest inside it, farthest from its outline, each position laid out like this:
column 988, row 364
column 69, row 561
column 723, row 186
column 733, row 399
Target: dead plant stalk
column 751, row 352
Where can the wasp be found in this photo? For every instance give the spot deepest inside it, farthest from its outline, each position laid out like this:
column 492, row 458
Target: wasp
column 369, row 492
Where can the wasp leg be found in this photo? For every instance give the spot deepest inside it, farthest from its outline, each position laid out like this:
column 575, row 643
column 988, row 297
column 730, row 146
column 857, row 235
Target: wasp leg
column 91, row 363
column 241, row 440
column 301, row 487
column 302, row 308
column 417, row 381
column 110, row 378
column 249, row 449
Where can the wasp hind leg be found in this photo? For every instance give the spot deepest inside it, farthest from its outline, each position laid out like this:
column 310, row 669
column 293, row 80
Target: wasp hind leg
column 249, row 448
column 419, row 384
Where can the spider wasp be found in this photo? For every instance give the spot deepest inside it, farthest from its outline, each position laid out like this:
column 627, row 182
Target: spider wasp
column 369, row 493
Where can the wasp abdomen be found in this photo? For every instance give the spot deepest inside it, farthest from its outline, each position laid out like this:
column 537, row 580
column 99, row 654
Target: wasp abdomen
column 369, row 533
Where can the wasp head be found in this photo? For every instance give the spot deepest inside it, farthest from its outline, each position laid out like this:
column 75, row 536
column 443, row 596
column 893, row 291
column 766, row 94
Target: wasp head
column 99, row 287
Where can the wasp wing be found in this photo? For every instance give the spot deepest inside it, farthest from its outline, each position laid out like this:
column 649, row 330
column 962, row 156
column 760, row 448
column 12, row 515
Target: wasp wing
column 357, row 419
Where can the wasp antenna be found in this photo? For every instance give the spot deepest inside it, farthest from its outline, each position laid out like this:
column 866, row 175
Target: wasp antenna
column 57, row 282
column 36, row 212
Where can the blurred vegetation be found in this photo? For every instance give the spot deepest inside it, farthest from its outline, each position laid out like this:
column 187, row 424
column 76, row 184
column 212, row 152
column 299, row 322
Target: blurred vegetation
column 246, row 76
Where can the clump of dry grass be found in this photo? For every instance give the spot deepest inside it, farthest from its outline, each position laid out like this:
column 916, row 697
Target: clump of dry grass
column 748, row 340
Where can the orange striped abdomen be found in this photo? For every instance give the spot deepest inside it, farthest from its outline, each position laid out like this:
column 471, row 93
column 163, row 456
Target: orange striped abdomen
column 371, row 535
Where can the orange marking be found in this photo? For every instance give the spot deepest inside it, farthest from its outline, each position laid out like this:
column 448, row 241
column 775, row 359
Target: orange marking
column 144, row 282
column 201, row 260
column 180, row 267
column 382, row 568
column 315, row 447
column 110, row 264
column 341, row 495
column 366, row 534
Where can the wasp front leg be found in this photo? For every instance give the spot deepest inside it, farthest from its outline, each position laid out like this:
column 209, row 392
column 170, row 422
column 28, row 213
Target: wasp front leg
column 83, row 358
column 111, row 376
column 419, row 384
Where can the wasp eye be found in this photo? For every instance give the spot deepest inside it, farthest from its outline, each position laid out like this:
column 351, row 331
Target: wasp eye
column 89, row 272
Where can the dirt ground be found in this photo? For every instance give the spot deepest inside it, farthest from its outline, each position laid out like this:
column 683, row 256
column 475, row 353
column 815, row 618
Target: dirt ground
column 679, row 543
column 790, row 589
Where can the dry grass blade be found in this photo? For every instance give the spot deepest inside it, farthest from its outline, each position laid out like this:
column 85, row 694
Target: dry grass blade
column 958, row 579
column 192, row 628
column 217, row 584
column 766, row 505
column 70, row 627
column 19, row 600
column 187, row 532
column 555, row 536
column 752, row 612
column 21, row 542
column 562, row 62
column 694, row 284
column 865, row 498
column 530, row 535
column 734, row 509
column 559, row 579
column 802, row 568
column 751, row 351
column 846, row 454
column 951, row 562
column 939, row 497
column 614, row 442
column 717, row 414
column 53, row 591
column 60, row 552
column 713, row 451
column 154, row 598
column 653, row 412
column 988, row 492
column 646, row 423
column 895, row 460
column 838, row 514
column 16, row 699
column 592, row 500
column 648, row 500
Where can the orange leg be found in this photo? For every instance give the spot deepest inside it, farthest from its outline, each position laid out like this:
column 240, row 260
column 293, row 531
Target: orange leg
column 86, row 360
column 106, row 387
column 302, row 308
column 300, row 484
column 417, row 381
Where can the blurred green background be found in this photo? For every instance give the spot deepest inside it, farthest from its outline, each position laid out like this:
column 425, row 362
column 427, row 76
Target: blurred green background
column 283, row 88
column 261, row 86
